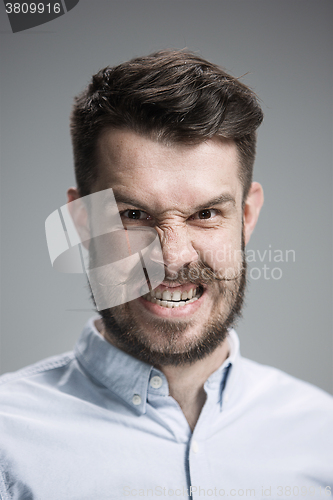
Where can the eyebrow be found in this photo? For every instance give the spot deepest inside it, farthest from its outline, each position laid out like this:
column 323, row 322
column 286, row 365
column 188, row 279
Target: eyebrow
column 219, row 200
column 127, row 200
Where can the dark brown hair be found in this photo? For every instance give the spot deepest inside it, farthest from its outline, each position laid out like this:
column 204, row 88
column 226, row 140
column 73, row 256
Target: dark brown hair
column 171, row 96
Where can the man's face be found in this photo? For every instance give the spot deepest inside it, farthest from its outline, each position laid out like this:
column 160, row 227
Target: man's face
column 192, row 196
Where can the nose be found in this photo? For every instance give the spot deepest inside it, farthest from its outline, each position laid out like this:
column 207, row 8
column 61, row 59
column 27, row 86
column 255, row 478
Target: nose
column 177, row 248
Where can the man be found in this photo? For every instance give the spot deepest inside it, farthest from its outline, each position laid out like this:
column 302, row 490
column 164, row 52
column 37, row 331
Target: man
column 156, row 399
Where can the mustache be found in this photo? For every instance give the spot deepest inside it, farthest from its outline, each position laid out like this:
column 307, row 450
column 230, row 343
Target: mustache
column 200, row 273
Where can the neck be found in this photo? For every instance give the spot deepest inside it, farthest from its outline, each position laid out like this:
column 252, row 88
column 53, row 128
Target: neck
column 186, row 383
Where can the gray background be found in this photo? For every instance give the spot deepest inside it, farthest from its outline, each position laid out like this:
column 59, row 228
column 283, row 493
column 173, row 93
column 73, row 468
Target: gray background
column 285, row 50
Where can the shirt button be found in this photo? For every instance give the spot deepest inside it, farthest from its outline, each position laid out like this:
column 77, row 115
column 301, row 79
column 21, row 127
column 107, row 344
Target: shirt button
column 195, row 447
column 156, row 382
column 136, row 399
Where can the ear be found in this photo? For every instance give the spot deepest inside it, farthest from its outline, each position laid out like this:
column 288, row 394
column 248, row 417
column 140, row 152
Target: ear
column 79, row 215
column 252, row 207
column 72, row 194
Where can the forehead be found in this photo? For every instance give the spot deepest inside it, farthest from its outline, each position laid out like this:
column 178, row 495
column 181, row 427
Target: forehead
column 167, row 174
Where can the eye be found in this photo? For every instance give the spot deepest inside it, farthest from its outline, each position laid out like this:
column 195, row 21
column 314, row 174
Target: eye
column 135, row 214
column 205, row 214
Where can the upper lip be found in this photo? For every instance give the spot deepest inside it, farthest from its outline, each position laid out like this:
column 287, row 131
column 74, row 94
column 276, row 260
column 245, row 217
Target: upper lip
column 172, row 284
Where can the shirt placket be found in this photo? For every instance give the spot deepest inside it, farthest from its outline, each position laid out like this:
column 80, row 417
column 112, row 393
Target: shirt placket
column 202, row 482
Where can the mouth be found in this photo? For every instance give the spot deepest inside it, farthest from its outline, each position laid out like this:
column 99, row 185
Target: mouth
column 171, row 298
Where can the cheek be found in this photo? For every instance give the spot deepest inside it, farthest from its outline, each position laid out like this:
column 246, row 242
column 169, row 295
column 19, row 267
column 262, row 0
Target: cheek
column 220, row 251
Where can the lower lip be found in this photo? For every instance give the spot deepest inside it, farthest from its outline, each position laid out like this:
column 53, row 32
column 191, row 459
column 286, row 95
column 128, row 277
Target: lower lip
column 177, row 312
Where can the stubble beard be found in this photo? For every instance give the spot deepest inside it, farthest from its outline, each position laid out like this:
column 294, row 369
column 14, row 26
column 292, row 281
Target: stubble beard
column 121, row 327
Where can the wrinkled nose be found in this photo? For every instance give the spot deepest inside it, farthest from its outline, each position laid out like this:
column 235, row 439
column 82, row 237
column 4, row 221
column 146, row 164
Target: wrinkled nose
column 177, row 249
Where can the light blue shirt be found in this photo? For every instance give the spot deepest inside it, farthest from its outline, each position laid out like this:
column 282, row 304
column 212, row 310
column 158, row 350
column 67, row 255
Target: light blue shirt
column 97, row 424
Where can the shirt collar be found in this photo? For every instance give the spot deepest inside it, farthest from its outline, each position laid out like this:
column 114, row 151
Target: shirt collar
column 121, row 373
column 225, row 375
column 129, row 378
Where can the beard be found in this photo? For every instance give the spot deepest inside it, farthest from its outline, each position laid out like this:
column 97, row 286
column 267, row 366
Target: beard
column 122, row 328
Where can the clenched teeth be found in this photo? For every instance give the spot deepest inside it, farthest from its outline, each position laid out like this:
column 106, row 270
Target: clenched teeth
column 170, row 299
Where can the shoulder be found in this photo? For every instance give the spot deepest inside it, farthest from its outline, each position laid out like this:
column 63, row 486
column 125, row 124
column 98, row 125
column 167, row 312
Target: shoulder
column 285, row 391
column 38, row 373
